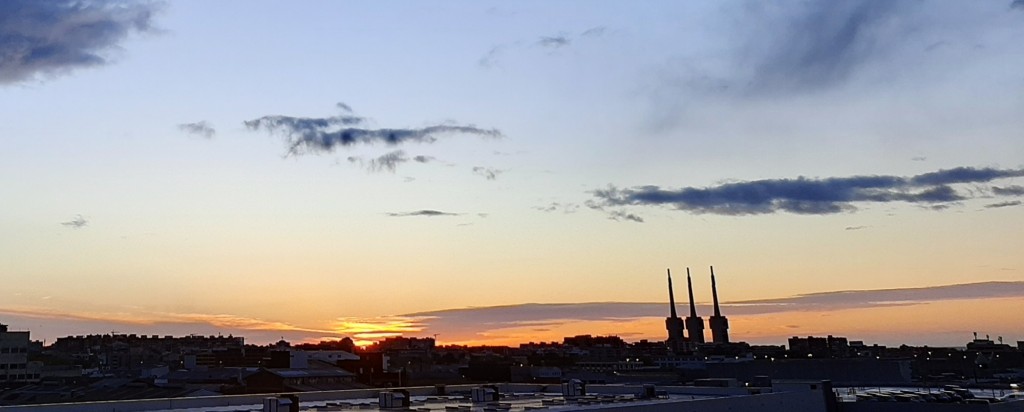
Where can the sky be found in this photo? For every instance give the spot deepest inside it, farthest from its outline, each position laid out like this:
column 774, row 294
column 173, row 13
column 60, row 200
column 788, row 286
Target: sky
column 488, row 172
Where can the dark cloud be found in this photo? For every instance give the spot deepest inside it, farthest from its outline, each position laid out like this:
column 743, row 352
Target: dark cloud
column 423, row 159
column 554, row 41
column 487, row 172
column 202, row 128
column 425, row 212
column 1017, row 4
column 1014, row 190
column 54, row 37
column 77, row 223
column 965, row 175
column 1004, row 204
column 821, row 45
column 805, row 195
column 324, row 134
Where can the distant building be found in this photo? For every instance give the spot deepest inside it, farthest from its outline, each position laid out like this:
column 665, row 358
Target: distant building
column 128, row 353
column 828, row 347
column 404, row 344
column 14, row 365
column 300, row 380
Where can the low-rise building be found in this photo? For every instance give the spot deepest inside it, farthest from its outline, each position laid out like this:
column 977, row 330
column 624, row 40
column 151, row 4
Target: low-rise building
column 14, row 365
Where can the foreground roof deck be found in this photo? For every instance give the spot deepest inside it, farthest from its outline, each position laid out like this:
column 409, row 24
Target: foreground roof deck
column 518, row 402
column 513, row 398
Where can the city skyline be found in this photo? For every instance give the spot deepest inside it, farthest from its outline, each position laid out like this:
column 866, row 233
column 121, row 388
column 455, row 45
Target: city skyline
column 320, row 170
column 805, row 315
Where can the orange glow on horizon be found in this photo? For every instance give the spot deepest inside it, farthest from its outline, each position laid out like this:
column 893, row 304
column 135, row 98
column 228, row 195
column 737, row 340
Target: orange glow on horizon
column 910, row 323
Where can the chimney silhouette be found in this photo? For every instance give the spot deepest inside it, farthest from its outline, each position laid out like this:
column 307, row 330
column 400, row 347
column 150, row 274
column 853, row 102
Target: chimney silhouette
column 719, row 324
column 671, row 296
column 673, row 324
column 694, row 324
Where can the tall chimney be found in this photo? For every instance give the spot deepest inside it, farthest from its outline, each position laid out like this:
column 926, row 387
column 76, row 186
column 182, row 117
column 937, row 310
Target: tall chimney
column 714, row 292
column 671, row 295
column 694, row 324
column 719, row 324
column 673, row 324
column 689, row 287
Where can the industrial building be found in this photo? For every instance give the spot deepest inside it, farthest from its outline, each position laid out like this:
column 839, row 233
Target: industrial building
column 693, row 325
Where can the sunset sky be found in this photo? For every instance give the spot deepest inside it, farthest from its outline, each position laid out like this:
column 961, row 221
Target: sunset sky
column 499, row 172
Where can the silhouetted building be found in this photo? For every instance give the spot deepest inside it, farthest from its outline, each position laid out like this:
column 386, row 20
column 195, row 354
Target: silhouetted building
column 719, row 324
column 14, row 357
column 673, row 323
column 828, row 347
column 404, row 344
column 307, row 379
column 371, row 369
column 694, row 323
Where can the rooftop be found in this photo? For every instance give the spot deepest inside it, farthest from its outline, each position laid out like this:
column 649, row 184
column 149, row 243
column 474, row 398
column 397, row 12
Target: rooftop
column 514, row 398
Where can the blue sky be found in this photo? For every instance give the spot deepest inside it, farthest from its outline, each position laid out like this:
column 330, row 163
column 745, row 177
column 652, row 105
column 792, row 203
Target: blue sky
column 467, row 154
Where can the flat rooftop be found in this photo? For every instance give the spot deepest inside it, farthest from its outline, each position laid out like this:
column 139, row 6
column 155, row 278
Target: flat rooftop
column 457, row 398
column 515, row 402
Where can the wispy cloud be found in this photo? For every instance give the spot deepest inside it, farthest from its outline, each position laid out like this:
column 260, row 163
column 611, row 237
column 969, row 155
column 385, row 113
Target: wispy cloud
column 228, row 321
column 489, row 173
column 490, row 59
column 558, row 207
column 599, row 31
column 822, row 43
column 46, row 38
column 554, row 41
column 617, row 214
column 493, row 55
column 388, row 161
column 201, row 128
column 622, row 215
column 367, row 329
column 424, row 212
column 77, row 223
column 811, row 196
column 237, row 322
column 469, row 319
column 324, row 134
column 1004, row 204
column 855, row 227
column 1014, row 190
